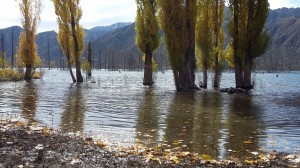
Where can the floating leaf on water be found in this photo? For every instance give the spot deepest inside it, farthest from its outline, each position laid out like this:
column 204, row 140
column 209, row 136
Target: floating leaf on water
column 206, row 157
column 248, row 142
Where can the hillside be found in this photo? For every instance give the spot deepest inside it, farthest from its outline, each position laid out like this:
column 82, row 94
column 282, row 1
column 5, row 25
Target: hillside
column 50, row 36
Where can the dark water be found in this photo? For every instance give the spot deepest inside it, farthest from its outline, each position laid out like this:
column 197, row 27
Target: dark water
column 119, row 109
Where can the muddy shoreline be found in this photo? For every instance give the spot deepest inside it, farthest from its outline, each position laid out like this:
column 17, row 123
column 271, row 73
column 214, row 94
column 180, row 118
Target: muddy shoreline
column 33, row 145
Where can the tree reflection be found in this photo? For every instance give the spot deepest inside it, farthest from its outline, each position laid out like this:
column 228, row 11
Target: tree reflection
column 180, row 119
column 147, row 119
column 72, row 119
column 207, row 124
column 244, row 127
column 29, row 100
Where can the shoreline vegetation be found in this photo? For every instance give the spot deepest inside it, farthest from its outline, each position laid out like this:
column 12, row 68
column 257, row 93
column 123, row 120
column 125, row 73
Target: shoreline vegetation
column 35, row 145
column 10, row 75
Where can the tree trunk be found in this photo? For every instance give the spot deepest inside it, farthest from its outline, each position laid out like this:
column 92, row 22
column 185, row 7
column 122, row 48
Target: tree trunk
column 70, row 69
column 238, row 75
column 76, row 48
column 247, row 73
column 185, row 76
column 237, row 61
column 28, row 73
column 78, row 72
column 148, row 69
column 204, row 84
column 216, row 31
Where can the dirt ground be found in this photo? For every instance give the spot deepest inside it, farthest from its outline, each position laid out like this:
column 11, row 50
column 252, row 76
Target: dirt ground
column 32, row 145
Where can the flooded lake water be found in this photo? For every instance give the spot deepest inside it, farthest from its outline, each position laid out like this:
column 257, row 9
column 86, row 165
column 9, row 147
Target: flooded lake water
column 118, row 108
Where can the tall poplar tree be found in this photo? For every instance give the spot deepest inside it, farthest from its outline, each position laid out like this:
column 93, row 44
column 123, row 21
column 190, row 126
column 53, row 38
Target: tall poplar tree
column 219, row 39
column 257, row 40
column 71, row 35
column 30, row 17
column 204, row 36
column 178, row 19
column 64, row 33
column 248, row 37
column 147, row 38
column 210, row 37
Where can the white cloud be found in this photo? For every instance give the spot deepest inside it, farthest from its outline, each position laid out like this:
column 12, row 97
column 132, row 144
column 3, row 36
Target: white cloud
column 275, row 4
column 95, row 12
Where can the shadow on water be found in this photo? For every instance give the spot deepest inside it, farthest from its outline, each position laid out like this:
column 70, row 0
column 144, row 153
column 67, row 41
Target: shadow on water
column 180, row 120
column 244, row 126
column 207, row 124
column 29, row 101
column 147, row 119
column 72, row 119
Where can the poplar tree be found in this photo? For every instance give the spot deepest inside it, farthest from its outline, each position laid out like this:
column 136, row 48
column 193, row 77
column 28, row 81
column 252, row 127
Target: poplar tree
column 210, row 38
column 147, row 38
column 204, row 36
column 219, row 38
column 30, row 17
column 71, row 35
column 249, row 39
column 257, row 40
column 177, row 19
column 64, row 34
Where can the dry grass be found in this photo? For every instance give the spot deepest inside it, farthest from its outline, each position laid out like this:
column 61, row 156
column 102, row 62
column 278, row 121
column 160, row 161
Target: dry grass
column 10, row 75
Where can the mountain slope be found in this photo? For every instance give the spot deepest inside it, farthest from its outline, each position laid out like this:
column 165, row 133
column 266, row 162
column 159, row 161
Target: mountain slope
column 43, row 37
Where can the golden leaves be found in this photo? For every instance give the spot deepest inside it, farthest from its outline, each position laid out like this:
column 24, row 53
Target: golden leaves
column 100, row 144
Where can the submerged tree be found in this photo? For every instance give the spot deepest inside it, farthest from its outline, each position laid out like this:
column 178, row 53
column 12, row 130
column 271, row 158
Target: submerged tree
column 210, row 38
column 219, row 38
column 204, row 37
column 31, row 11
column 177, row 20
column 70, row 35
column 147, row 38
column 248, row 38
column 257, row 40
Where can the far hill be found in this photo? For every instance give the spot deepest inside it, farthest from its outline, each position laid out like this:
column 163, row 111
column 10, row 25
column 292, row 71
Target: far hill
column 51, row 36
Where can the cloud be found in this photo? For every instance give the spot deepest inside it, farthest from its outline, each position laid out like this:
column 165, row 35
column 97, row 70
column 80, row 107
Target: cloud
column 275, row 4
column 95, row 12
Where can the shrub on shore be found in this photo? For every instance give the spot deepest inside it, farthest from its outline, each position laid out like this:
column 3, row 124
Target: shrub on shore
column 10, row 75
column 7, row 75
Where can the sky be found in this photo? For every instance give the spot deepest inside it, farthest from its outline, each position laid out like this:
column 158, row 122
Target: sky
column 95, row 12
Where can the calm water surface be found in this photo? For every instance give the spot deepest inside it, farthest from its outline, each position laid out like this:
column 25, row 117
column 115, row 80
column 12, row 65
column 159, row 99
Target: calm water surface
column 118, row 108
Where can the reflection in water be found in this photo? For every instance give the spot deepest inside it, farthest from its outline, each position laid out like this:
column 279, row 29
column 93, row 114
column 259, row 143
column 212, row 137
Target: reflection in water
column 179, row 122
column 72, row 118
column 244, row 128
column 147, row 119
column 29, row 100
column 207, row 124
